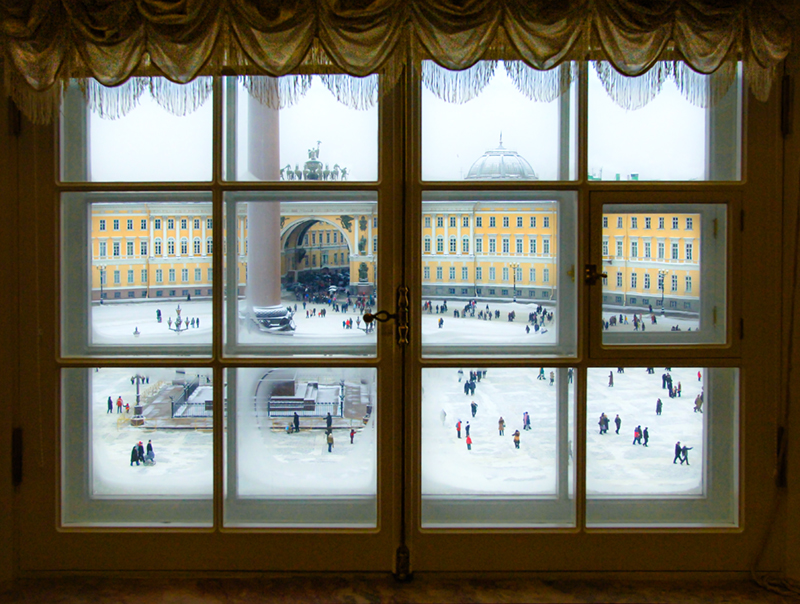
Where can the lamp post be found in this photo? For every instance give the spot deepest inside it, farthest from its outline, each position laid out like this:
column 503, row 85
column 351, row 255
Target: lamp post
column 662, row 276
column 514, row 266
column 102, row 268
column 138, row 419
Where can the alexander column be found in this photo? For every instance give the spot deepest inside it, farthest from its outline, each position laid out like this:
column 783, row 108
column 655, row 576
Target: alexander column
column 264, row 225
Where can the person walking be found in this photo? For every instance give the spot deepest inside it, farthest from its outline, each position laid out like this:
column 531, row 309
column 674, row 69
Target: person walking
column 552, row 377
column 330, row 440
column 460, row 374
column 458, row 428
column 618, row 422
column 646, row 436
column 135, row 455
column 610, row 379
column 474, row 407
column 140, row 451
column 698, row 403
column 296, row 420
column 352, row 434
column 329, row 421
column 678, row 452
column 119, row 404
column 516, row 439
column 150, row 448
column 110, row 405
column 685, row 453
column 469, row 443
column 637, row 435
column 658, row 406
column 501, row 425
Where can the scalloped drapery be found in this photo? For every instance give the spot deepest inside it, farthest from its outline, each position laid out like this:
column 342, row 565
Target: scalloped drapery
column 45, row 43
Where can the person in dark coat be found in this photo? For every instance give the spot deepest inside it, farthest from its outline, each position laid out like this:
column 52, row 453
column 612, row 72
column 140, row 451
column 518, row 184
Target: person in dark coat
column 610, row 379
column 352, row 434
column 658, row 407
column 646, row 436
column 637, row 435
column 618, row 422
column 466, row 429
column 296, row 420
column 328, row 421
column 678, row 452
column 110, row 405
column 150, row 447
column 685, row 453
column 474, row 407
column 135, row 455
column 140, row 450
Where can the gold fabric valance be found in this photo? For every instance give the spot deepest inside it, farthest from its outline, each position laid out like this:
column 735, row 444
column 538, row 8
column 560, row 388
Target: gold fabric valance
column 44, row 43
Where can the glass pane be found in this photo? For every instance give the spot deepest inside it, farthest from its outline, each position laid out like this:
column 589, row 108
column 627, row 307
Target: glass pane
column 300, row 273
column 136, row 446
column 484, row 124
column 136, row 273
column 498, row 273
column 295, row 128
column 301, row 447
column 497, row 447
column 669, row 137
column 639, row 420
column 666, row 274
column 154, row 141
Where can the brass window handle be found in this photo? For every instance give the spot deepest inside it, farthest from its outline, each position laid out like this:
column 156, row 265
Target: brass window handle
column 590, row 274
column 401, row 316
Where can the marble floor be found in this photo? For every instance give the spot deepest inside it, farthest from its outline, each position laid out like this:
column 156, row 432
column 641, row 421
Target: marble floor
column 369, row 589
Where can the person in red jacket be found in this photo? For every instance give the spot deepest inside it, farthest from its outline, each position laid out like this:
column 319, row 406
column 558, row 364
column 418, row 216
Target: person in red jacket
column 469, row 443
column 352, row 434
column 458, row 428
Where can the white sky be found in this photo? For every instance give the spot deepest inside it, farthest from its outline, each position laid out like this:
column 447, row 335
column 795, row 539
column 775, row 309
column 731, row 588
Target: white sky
column 663, row 140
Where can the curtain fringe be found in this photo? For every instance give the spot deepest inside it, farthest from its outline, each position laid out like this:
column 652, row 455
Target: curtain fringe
column 457, row 86
column 277, row 93
column 541, row 86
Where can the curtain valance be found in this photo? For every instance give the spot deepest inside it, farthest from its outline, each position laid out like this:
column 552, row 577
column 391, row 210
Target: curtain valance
column 45, row 43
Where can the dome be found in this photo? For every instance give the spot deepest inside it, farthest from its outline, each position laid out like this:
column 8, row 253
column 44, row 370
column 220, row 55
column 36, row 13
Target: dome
column 501, row 164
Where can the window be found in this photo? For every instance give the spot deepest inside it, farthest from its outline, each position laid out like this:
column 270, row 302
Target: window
column 209, row 222
column 439, row 273
column 505, row 245
column 143, row 247
column 209, row 246
column 519, row 222
column 634, row 222
column 157, row 224
column 647, row 280
column 546, row 246
column 688, row 224
column 115, row 248
column 491, row 222
column 427, row 245
column 533, row 222
column 518, row 245
column 505, row 273
column 619, row 279
column 427, row 222
column 505, row 222
column 532, row 275
column 453, row 222
column 478, row 221
column 102, row 251
column 170, row 247
column 605, row 247
column 453, row 245
column 464, row 273
column 633, row 280
column 170, row 224
column 660, row 222
column 647, row 222
column 546, row 275
column 116, row 224
column 465, row 245
column 184, row 275
column 116, row 277
column 492, row 245
column 688, row 251
column 375, row 222
column 129, row 224
column 660, row 250
column 426, row 273
column 674, row 250
column 440, row 244
column 492, row 274
column 674, row 222
column 647, row 249
column 605, row 222
column 440, row 221
column 183, row 224
column 374, row 245
column 619, row 248
column 102, row 225
column 634, row 249
column 452, row 273
column 546, row 222
column 171, row 273
column 130, row 276
column 478, row 273
column 196, row 247
column 157, row 244
column 465, row 221
column 196, row 223
column 144, row 275
column 674, row 283
column 688, row 284
column 209, row 273
column 532, row 245
column 129, row 249
column 619, row 222
column 479, row 245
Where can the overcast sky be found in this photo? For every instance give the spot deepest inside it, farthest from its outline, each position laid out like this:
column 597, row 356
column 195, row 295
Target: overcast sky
column 664, row 140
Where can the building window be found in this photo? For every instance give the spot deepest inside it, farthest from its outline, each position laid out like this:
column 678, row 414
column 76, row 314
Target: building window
column 532, row 245
column 103, row 250
column 185, row 275
column 209, row 273
column 115, row 224
column 439, row 273
column 479, row 245
column 144, row 275
column 674, row 222
column 688, row 224
column 647, row 222
column 427, row 222
column 102, row 224
column 619, row 279
column 546, row 222
column 605, row 247
column 533, row 222
column 374, row 222
column 634, row 249
column 647, row 280
column 492, row 245
column 129, row 249
column 209, row 246
column 115, row 249
column 171, row 274
column 479, row 221
column 505, row 273
column 157, row 244
column 440, row 244
column 634, row 222
column 426, row 272
column 465, row 221
column 519, row 222
column 198, row 274
column 478, row 273
column 491, row 222
column 605, row 222
column 546, row 275
column 674, row 248
column 546, row 246
column 492, row 274
column 619, row 248
column 209, row 222
column 518, row 245
column 505, row 222
column 157, row 224
column 374, row 245
column 452, row 222
column 426, row 245
column 170, row 247
column 129, row 224
column 688, row 284
column 646, row 249
column 660, row 250
column 619, row 222
column 505, row 245
column 196, row 246
column 452, row 273
column 183, row 224
column 130, row 276
column 465, row 245
column 660, row 222
column 440, row 221
column 116, row 278
column 452, row 245
column 170, row 224
column 633, row 280
column 464, row 273
column 674, row 283
column 688, row 251
column 143, row 247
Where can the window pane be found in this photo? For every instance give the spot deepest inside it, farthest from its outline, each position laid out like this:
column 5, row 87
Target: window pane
column 665, row 285
column 300, row 273
column 150, row 143
column 497, row 446
column 313, row 136
column 301, row 447
column 500, row 133
column 668, row 138
column 518, row 296
column 153, row 310
column 106, row 414
column 629, row 477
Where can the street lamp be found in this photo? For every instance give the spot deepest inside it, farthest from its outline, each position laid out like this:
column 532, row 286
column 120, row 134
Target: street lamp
column 662, row 277
column 102, row 268
column 137, row 420
column 514, row 266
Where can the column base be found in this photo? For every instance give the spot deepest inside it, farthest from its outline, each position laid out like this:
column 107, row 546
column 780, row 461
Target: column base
column 273, row 319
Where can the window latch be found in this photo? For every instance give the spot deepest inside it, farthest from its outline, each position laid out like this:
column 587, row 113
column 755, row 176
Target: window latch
column 401, row 316
column 590, row 274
